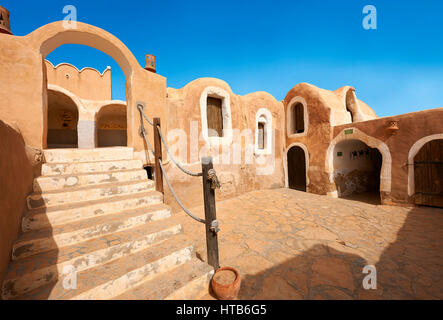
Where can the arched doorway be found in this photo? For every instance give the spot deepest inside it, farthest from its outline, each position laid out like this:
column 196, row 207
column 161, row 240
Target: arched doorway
column 111, row 126
column 296, row 161
column 428, row 174
column 62, row 121
column 357, row 170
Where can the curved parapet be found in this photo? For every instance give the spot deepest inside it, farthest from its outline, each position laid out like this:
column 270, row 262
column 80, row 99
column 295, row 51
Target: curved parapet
column 87, row 83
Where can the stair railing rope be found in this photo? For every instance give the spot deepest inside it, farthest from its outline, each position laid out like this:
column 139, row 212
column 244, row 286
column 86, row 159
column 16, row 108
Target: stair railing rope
column 199, row 174
column 210, row 183
column 177, row 199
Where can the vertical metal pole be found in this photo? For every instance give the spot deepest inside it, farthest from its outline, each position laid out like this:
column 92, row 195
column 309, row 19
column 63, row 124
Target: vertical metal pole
column 210, row 214
column 158, row 156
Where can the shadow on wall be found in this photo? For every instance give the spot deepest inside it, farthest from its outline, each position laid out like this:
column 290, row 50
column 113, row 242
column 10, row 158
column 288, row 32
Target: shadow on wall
column 409, row 268
column 16, row 177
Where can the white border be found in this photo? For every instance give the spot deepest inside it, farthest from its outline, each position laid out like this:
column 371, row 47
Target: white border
column 285, row 162
column 217, row 92
column 263, row 115
column 290, row 118
column 416, row 147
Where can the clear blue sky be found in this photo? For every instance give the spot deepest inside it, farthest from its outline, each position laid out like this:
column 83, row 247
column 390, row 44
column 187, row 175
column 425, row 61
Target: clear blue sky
column 268, row 45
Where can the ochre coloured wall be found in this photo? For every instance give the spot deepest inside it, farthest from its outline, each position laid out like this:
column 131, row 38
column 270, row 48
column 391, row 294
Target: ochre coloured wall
column 16, row 172
column 317, row 133
column 87, row 83
column 185, row 120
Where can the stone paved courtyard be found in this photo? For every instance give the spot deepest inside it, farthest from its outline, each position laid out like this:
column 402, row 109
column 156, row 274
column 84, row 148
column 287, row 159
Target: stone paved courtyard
column 294, row 245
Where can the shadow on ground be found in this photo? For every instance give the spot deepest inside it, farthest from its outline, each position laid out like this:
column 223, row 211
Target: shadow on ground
column 409, row 268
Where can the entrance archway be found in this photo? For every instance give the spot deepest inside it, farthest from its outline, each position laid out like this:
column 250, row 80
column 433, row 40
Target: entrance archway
column 62, row 121
column 296, row 166
column 357, row 169
column 111, row 126
column 355, row 134
column 51, row 36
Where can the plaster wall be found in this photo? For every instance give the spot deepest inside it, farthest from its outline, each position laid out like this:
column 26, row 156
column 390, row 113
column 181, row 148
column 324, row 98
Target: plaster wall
column 238, row 172
column 16, row 172
column 317, row 135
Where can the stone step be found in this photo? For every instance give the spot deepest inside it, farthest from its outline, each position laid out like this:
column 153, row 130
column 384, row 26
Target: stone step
column 52, row 217
column 53, row 169
column 185, row 282
column 33, row 272
column 88, row 155
column 34, row 242
column 53, row 183
column 75, row 195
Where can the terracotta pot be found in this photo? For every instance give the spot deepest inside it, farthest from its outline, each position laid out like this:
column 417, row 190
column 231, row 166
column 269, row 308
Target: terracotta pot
column 226, row 291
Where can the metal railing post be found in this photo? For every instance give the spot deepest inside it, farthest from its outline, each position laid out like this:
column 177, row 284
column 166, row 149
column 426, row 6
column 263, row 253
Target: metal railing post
column 158, row 156
column 210, row 214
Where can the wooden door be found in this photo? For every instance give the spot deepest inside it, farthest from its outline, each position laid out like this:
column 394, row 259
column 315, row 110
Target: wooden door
column 428, row 174
column 299, row 121
column 297, row 169
column 214, row 116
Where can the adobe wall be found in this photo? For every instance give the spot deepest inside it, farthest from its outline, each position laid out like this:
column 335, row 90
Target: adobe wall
column 236, row 177
column 16, row 172
column 87, row 83
column 317, row 133
column 412, row 127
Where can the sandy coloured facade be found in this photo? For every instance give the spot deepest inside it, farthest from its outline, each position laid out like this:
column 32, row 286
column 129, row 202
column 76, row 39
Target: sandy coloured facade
column 321, row 141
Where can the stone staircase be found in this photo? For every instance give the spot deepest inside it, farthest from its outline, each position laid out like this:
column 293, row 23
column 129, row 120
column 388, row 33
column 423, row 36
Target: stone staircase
column 97, row 229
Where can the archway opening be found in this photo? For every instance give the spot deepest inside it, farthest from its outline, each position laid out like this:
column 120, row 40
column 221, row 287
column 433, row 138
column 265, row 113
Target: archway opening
column 357, row 170
column 296, row 168
column 62, row 121
column 111, row 126
column 89, row 82
column 428, row 174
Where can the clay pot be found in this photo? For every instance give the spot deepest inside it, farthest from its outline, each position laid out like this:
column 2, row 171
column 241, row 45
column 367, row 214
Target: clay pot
column 228, row 288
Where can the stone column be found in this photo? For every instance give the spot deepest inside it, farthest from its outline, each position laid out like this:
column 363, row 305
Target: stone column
column 86, row 134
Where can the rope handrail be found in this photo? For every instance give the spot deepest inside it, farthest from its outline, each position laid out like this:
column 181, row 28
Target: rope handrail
column 178, row 200
column 142, row 113
column 210, row 183
column 143, row 133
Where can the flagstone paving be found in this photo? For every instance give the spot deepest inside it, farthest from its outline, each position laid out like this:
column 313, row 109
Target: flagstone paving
column 288, row 244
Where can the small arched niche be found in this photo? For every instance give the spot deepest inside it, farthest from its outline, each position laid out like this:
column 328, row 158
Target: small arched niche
column 111, row 126
column 62, row 121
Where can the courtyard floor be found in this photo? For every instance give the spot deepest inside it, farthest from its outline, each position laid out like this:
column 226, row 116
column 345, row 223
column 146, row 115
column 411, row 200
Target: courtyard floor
column 288, row 244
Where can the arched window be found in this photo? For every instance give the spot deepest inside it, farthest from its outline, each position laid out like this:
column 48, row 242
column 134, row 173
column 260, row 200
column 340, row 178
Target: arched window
column 297, row 117
column 263, row 131
column 215, row 116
